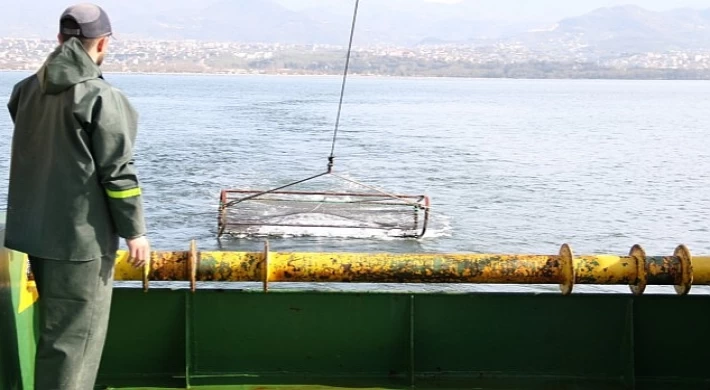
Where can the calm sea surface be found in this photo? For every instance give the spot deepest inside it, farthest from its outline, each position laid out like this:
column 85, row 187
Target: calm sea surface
column 511, row 166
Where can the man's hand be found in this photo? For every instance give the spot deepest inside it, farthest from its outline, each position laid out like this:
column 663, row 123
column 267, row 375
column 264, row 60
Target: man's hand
column 139, row 249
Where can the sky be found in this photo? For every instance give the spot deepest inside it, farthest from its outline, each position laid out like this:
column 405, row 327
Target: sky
column 496, row 14
column 548, row 10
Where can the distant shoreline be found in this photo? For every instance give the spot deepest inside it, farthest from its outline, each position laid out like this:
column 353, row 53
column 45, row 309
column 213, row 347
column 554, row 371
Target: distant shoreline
column 564, row 60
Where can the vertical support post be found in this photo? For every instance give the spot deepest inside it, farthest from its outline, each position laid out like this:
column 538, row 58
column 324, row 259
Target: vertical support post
column 192, row 271
column 265, row 267
column 188, row 338
column 412, row 364
column 629, row 347
column 146, row 273
column 192, row 265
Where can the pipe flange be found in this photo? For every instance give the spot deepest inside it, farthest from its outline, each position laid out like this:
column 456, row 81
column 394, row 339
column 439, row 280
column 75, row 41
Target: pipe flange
column 265, row 267
column 638, row 255
column 192, row 265
column 567, row 273
column 686, row 270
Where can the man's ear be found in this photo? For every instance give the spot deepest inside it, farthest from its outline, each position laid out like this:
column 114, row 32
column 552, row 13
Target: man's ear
column 101, row 45
column 59, row 38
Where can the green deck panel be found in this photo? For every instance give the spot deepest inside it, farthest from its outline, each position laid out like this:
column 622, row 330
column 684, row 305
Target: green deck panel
column 300, row 332
column 550, row 335
column 672, row 336
column 146, row 335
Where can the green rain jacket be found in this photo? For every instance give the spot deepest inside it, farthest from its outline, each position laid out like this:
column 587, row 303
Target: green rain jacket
column 73, row 187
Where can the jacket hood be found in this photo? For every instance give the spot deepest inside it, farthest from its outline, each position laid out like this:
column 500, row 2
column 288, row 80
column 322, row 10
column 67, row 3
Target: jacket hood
column 67, row 66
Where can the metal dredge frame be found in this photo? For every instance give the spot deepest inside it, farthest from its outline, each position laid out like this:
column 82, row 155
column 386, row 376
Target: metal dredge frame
column 420, row 204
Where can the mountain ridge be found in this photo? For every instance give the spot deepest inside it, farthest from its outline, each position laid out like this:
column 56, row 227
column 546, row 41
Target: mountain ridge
column 620, row 28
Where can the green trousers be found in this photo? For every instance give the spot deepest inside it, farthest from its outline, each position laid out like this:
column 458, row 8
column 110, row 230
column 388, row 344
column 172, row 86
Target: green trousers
column 74, row 305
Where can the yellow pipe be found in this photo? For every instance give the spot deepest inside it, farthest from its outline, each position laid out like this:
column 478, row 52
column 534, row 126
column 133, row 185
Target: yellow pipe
column 563, row 268
column 419, row 268
column 348, row 267
column 701, row 270
column 605, row 269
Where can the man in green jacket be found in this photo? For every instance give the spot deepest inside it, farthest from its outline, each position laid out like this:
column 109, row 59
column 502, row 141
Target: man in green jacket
column 73, row 194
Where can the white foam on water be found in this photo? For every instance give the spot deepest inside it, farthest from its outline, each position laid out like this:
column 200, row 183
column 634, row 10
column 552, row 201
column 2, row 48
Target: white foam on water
column 326, row 232
column 347, row 228
column 322, row 219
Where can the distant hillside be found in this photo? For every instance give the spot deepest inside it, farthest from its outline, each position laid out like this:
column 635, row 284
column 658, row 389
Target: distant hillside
column 631, row 28
column 616, row 29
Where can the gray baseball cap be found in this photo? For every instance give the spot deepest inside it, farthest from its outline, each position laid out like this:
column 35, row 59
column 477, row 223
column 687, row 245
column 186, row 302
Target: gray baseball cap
column 85, row 21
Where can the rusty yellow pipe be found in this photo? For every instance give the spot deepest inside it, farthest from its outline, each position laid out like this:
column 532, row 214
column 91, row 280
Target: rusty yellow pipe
column 348, row 267
column 636, row 270
column 701, row 270
column 604, row 269
column 389, row 268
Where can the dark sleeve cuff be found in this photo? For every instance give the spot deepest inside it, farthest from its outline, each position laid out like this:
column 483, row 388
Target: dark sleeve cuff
column 128, row 216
